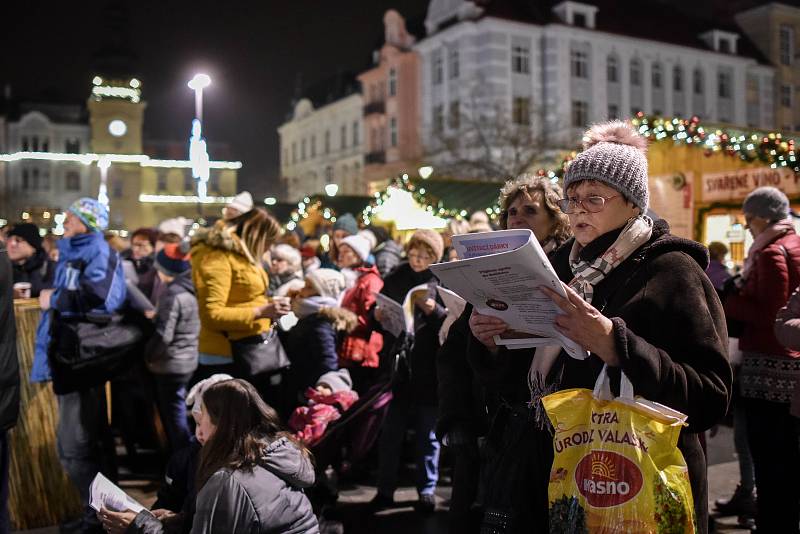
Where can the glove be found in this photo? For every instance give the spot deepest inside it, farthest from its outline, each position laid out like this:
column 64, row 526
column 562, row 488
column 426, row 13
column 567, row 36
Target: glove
column 195, row 396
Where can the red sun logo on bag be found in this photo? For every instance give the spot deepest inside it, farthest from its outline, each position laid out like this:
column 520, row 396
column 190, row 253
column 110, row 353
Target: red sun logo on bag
column 607, row 479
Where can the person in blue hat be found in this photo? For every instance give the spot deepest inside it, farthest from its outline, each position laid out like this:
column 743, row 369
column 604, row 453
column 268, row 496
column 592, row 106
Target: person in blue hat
column 88, row 279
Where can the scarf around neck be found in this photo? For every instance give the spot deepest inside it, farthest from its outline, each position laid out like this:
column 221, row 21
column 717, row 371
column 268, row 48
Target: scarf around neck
column 590, row 273
column 310, row 305
column 770, row 233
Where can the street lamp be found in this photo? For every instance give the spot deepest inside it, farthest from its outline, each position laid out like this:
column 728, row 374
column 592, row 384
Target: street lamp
column 198, row 83
column 198, row 151
column 331, row 190
column 425, row 172
column 102, row 196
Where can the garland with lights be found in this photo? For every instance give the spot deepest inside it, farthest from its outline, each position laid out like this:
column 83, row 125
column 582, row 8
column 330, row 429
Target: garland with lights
column 303, row 207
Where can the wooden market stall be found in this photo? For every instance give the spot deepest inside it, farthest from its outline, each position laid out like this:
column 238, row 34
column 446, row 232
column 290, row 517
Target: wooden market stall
column 40, row 493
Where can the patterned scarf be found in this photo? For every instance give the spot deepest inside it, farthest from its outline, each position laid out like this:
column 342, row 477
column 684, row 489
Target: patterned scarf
column 590, row 273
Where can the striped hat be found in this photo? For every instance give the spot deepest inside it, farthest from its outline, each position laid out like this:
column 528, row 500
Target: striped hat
column 173, row 259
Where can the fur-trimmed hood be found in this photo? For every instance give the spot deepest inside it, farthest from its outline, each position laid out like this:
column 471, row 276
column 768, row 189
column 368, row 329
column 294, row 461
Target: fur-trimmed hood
column 341, row 319
column 223, row 237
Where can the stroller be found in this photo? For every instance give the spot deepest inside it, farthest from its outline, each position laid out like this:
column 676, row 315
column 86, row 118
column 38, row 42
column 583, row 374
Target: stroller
column 351, row 437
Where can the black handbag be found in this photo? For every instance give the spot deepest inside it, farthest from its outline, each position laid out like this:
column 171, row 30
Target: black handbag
column 261, row 354
column 87, row 352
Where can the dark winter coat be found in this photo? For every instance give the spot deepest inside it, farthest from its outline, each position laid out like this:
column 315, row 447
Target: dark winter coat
column 767, row 289
column 9, row 365
column 38, row 270
column 422, row 358
column 388, row 256
column 311, row 346
column 173, row 347
column 670, row 336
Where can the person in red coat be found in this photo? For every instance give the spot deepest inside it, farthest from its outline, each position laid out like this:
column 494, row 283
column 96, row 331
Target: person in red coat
column 769, row 370
column 360, row 349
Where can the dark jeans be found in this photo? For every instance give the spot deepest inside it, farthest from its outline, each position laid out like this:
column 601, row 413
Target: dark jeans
column 772, row 434
column 5, row 524
column 171, row 402
column 85, row 445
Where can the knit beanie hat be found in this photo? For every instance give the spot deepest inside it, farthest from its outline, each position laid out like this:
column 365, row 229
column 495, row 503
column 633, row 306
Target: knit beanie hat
column 479, row 222
column 173, row 259
column 91, row 213
column 359, row 244
column 288, row 253
column 615, row 154
column 369, row 236
column 328, row 282
column 337, row 380
column 243, row 202
column 767, row 202
column 29, row 232
column 430, row 238
column 174, row 226
column 347, row 223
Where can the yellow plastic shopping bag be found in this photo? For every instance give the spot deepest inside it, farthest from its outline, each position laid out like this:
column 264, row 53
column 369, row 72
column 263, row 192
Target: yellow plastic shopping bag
column 617, row 467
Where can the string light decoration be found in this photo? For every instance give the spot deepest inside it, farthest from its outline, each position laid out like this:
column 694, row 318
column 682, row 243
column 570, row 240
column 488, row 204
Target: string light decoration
column 306, row 205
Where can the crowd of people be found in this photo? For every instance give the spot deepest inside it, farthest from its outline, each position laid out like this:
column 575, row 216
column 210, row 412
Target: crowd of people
column 251, row 343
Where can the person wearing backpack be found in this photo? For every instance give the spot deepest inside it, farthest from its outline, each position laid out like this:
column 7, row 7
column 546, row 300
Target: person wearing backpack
column 88, row 281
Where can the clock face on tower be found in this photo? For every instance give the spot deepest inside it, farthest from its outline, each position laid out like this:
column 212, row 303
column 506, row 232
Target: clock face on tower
column 117, row 128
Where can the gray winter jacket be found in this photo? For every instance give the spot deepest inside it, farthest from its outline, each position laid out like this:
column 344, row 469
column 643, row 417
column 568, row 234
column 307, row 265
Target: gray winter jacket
column 173, row 347
column 268, row 499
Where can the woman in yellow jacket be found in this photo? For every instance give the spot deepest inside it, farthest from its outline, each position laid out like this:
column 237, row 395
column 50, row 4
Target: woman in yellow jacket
column 231, row 288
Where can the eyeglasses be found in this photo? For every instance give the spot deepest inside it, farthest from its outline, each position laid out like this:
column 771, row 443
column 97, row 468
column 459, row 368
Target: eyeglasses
column 592, row 204
column 418, row 256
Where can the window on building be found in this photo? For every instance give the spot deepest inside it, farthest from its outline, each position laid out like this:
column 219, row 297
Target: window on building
column 35, row 179
column 454, row 115
column 392, row 82
column 213, row 183
column 393, row 132
column 786, row 44
column 46, row 146
column 327, row 141
column 72, row 146
column 521, row 110
column 579, row 20
column 636, row 73
column 613, row 111
column 356, row 140
column 343, row 137
column 25, row 144
column 116, row 188
column 786, row 96
column 438, row 118
column 345, row 172
column 303, row 150
column 656, row 76
column 72, row 181
column 438, row 69
column 724, row 89
column 26, row 180
column 580, row 113
column 454, row 68
column 294, row 152
column 161, row 181
column 579, row 64
column 697, row 81
column 329, row 174
column 188, row 181
column 313, row 147
column 285, row 157
column 677, row 79
column 612, row 74
column 725, row 46
column 35, row 144
column 520, row 59
column 45, row 183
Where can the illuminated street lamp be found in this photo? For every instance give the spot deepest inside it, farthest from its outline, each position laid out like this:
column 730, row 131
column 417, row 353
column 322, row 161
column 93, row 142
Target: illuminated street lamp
column 198, row 83
column 102, row 196
column 198, row 151
column 331, row 190
column 425, row 172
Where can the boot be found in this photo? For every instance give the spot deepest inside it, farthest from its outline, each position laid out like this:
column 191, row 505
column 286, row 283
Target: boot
column 742, row 502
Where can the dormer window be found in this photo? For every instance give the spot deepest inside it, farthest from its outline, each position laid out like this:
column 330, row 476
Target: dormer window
column 576, row 14
column 721, row 41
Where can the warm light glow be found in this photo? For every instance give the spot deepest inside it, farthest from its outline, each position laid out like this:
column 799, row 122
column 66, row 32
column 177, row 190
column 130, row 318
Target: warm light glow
column 425, row 172
column 401, row 208
column 135, row 83
column 127, row 93
column 183, row 199
column 331, row 190
column 270, row 201
column 141, row 159
column 117, row 128
column 199, row 82
column 25, row 216
column 46, row 215
column 104, row 163
column 97, row 80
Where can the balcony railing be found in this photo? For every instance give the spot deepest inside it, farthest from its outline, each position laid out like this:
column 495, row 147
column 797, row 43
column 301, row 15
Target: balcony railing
column 375, row 157
column 374, row 107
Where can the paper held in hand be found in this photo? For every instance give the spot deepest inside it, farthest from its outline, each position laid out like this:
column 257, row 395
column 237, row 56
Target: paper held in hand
column 500, row 275
column 454, row 304
column 397, row 318
column 106, row 494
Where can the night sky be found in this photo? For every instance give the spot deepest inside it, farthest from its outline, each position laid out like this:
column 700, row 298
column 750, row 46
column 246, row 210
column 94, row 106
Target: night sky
column 254, row 52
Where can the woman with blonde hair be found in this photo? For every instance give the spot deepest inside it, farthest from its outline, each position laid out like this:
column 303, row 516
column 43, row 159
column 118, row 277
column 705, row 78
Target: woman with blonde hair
column 231, row 290
column 531, row 201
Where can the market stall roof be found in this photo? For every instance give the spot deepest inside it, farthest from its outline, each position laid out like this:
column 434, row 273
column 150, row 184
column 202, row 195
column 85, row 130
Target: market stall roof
column 469, row 196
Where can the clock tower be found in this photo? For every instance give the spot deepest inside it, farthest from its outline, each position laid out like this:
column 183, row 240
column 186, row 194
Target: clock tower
column 116, row 114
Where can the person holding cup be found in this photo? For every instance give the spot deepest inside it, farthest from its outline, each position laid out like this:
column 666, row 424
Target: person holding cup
column 33, row 269
column 231, row 288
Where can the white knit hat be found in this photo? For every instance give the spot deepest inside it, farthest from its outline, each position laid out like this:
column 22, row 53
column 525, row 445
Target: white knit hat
column 369, row 236
column 176, row 225
column 328, row 282
column 243, row 202
column 286, row 252
column 359, row 244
